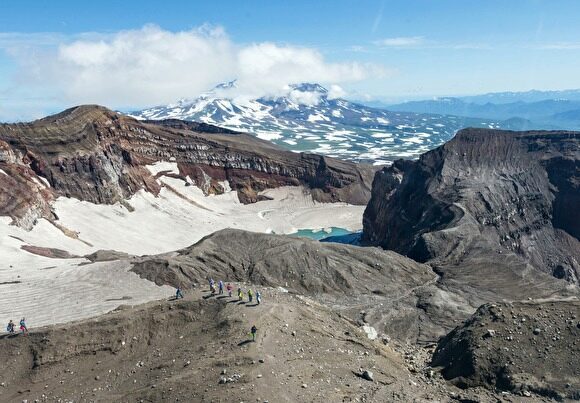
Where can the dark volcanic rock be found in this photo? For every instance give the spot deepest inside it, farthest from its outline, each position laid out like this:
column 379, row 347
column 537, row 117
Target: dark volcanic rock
column 401, row 298
column 97, row 155
column 487, row 201
column 348, row 277
column 535, row 347
column 299, row 264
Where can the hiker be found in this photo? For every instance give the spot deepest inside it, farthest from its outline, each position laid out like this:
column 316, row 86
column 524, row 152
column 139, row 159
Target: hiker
column 178, row 293
column 240, row 294
column 221, row 287
column 23, row 327
column 10, row 327
column 212, row 288
column 258, row 297
column 229, row 288
column 254, row 330
column 250, row 295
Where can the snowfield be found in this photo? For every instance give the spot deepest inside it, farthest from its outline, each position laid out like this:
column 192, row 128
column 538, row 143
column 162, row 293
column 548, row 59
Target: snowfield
column 49, row 290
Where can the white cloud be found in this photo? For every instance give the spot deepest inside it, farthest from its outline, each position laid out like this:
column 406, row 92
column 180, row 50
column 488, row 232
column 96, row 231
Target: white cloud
column 336, row 91
column 267, row 67
column 151, row 66
column 305, row 97
column 400, row 42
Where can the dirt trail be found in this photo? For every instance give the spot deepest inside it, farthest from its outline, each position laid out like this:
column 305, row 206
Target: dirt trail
column 181, row 351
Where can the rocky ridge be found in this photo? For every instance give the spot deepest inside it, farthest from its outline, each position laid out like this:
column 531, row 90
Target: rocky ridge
column 486, row 201
column 93, row 154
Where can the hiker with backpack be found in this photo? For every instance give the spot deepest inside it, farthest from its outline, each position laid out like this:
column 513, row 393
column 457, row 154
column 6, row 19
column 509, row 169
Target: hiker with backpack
column 10, row 327
column 240, row 294
column 258, row 297
column 229, row 287
column 221, row 287
column 23, row 327
column 178, row 293
column 250, row 295
column 253, row 331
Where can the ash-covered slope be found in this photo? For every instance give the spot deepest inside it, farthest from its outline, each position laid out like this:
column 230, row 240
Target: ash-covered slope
column 197, row 350
column 350, row 278
column 486, row 202
column 399, row 297
column 299, row 264
column 97, row 155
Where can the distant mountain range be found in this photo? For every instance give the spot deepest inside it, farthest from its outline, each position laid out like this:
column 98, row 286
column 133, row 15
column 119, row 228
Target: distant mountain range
column 523, row 96
column 306, row 118
column 542, row 109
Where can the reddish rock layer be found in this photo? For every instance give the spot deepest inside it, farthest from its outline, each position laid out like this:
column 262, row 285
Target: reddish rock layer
column 97, row 155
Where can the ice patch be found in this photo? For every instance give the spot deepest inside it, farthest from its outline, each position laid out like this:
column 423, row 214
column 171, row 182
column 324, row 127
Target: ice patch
column 317, row 118
column 38, row 182
column 162, row 166
column 382, row 135
column 414, row 140
column 370, row 331
column 268, row 135
column 45, row 181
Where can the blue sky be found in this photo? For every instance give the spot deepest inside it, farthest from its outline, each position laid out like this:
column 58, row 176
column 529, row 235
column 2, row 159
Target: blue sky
column 53, row 54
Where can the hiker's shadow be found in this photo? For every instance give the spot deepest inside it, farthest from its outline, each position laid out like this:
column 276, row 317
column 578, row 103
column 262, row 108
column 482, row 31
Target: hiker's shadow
column 251, row 306
column 242, row 303
column 221, row 297
column 208, row 296
column 232, row 302
column 8, row 336
column 243, row 343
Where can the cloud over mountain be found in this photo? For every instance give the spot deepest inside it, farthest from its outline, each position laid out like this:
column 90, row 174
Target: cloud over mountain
column 151, row 65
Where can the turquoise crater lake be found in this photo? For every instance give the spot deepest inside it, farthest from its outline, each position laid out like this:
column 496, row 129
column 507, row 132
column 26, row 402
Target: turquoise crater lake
column 321, row 233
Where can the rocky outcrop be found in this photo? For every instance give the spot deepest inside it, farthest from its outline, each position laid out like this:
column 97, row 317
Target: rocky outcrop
column 521, row 348
column 23, row 195
column 487, row 201
column 97, row 155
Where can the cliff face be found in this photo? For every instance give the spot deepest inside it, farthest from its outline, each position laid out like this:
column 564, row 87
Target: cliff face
column 97, row 155
column 487, row 197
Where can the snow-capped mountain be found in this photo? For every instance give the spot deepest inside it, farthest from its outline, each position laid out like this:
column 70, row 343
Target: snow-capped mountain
column 307, row 118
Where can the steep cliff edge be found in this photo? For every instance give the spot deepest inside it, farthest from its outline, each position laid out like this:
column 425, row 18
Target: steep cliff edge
column 97, row 155
column 485, row 202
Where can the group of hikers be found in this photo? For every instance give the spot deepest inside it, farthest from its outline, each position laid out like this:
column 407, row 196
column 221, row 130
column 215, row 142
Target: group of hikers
column 11, row 327
column 229, row 288
column 220, row 288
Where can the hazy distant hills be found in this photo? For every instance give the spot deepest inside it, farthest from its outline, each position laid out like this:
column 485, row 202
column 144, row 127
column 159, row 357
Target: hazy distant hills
column 525, row 96
column 541, row 109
